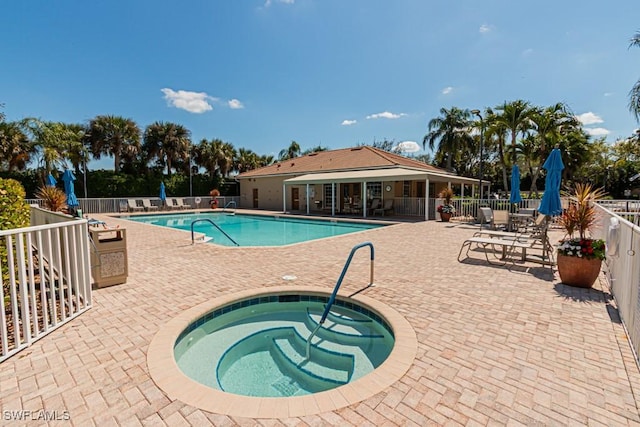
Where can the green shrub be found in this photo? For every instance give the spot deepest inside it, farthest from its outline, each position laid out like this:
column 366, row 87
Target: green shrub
column 14, row 210
column 14, row 213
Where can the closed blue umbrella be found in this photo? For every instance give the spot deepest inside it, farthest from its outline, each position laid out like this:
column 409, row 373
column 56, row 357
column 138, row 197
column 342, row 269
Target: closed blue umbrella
column 163, row 193
column 68, row 178
column 515, row 185
column 550, row 203
column 50, row 181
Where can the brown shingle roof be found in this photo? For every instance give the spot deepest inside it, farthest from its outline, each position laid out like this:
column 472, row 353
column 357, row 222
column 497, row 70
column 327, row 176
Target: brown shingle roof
column 355, row 158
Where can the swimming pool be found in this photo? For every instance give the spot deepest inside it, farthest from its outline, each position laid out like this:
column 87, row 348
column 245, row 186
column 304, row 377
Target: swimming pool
column 257, row 347
column 254, row 230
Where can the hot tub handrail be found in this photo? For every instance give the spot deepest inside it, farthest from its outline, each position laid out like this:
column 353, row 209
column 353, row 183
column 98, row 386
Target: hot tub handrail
column 332, row 298
column 215, row 225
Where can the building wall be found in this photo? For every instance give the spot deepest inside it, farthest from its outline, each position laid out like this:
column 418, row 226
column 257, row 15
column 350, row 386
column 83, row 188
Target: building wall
column 270, row 194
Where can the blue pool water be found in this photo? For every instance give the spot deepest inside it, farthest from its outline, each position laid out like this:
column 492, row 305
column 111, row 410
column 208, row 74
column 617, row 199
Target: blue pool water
column 255, row 230
column 257, row 347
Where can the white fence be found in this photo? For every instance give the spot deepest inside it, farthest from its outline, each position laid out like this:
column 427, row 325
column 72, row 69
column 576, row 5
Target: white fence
column 622, row 265
column 46, row 278
column 115, row 205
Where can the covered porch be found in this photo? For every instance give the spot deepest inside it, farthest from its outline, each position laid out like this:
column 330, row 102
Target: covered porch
column 373, row 192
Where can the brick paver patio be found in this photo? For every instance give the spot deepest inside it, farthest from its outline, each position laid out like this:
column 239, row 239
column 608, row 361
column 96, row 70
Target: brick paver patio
column 496, row 346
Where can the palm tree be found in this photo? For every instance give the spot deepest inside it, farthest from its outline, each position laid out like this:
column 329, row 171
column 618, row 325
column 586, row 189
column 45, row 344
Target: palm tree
column 52, row 141
column 290, row 152
column 15, row 147
column 316, row 149
column 113, row 136
column 168, row 142
column 551, row 125
column 634, row 94
column 515, row 116
column 452, row 131
column 216, row 156
column 495, row 137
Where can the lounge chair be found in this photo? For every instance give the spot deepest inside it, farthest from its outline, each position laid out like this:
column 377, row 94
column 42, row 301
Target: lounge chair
column 388, row 207
column 493, row 218
column 507, row 242
column 177, row 204
column 134, row 205
column 375, row 204
column 146, row 203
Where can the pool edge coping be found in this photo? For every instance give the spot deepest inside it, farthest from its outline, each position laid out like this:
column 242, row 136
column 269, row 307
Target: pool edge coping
column 166, row 374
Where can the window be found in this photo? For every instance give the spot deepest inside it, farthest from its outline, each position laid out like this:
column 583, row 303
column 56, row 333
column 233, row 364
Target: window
column 406, row 189
column 327, row 196
column 374, row 190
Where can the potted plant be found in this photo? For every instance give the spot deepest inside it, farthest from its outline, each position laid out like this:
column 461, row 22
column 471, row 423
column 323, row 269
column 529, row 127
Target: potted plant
column 446, row 210
column 214, row 202
column 579, row 255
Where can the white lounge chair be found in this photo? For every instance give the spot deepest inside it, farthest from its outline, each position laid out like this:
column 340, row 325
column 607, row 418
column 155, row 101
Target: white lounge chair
column 134, row 206
column 177, row 204
column 387, row 207
column 146, row 203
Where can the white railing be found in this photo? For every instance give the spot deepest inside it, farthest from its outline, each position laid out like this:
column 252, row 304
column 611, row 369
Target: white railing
column 119, row 204
column 46, row 278
column 622, row 268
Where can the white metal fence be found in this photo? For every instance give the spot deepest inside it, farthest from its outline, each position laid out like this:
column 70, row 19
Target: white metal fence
column 46, row 278
column 116, row 204
column 622, row 265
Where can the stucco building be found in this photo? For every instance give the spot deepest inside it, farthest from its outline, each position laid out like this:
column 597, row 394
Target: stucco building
column 360, row 181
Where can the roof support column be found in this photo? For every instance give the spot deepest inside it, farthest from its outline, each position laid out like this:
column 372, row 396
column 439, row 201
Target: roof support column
column 426, row 200
column 364, row 199
column 333, row 199
column 307, row 199
column 284, row 198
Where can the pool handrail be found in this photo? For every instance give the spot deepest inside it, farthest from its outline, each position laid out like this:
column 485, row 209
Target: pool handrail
column 229, row 203
column 332, row 298
column 215, row 225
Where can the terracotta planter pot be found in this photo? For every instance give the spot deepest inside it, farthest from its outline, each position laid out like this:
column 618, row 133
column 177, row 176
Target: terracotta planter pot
column 578, row 272
column 445, row 217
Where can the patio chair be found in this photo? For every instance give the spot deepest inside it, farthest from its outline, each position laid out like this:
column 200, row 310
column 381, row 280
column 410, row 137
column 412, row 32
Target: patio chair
column 375, row 204
column 177, row 204
column 388, row 207
column 146, row 203
column 134, row 205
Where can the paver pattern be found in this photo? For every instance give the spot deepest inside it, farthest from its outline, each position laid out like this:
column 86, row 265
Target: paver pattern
column 496, row 346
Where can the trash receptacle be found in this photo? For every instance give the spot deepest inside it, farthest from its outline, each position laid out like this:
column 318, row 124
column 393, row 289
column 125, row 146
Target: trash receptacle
column 109, row 264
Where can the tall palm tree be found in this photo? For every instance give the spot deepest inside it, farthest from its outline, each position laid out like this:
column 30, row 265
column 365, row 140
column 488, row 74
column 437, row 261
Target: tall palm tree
column 52, row 141
column 634, row 94
column 290, row 152
column 551, row 124
column 515, row 115
column 216, row 156
column 246, row 160
column 495, row 138
column 168, row 143
column 452, row 132
column 113, row 136
column 15, row 147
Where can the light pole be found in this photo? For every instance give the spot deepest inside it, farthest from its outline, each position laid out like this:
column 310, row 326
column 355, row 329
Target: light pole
column 477, row 113
column 190, row 178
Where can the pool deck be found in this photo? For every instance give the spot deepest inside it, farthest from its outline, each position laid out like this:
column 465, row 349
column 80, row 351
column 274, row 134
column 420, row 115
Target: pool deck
column 496, row 345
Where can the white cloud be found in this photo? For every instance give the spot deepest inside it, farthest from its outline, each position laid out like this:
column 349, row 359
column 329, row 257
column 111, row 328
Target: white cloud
column 589, row 118
column 234, row 104
column 268, row 3
column 608, row 93
column 597, row 131
column 408, row 147
column 348, row 122
column 484, row 28
column 193, row 102
column 385, row 115
column 527, row 52
column 447, row 90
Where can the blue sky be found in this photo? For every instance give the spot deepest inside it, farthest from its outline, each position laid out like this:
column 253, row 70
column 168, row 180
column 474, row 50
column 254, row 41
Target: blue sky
column 261, row 73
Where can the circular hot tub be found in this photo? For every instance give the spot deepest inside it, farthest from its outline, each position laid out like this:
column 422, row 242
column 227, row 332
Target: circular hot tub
column 235, row 353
